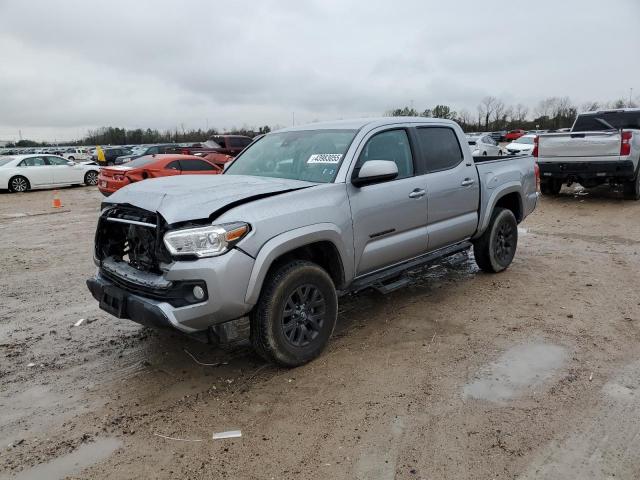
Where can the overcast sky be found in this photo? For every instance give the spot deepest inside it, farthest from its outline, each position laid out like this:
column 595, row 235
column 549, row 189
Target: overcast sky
column 66, row 66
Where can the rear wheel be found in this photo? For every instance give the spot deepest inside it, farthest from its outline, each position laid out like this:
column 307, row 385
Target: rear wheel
column 19, row 184
column 632, row 188
column 495, row 249
column 551, row 187
column 91, row 178
column 71, row 158
column 295, row 315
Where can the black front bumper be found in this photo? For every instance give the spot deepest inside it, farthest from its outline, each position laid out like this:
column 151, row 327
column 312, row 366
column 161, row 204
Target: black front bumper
column 587, row 170
column 122, row 304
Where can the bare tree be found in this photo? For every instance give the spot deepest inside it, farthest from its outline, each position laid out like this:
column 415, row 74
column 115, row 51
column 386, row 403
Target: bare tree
column 498, row 113
column 520, row 113
column 545, row 107
column 589, row 106
column 487, row 107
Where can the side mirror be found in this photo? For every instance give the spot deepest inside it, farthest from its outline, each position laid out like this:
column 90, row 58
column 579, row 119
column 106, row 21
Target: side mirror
column 71, row 163
column 375, row 171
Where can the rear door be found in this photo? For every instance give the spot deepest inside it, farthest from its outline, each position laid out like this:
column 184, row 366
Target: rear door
column 36, row 170
column 63, row 172
column 389, row 218
column 452, row 186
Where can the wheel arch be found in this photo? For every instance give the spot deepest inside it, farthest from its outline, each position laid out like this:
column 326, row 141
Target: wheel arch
column 29, row 186
column 509, row 197
column 322, row 244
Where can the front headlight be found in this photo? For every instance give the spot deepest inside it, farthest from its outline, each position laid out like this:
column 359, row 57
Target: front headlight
column 207, row 241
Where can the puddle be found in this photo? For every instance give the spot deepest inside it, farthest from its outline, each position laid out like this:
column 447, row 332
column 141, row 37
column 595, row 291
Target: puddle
column 72, row 463
column 518, row 369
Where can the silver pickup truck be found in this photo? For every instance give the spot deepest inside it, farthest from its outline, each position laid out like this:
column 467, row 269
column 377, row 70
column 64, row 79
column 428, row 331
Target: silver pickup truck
column 602, row 147
column 302, row 216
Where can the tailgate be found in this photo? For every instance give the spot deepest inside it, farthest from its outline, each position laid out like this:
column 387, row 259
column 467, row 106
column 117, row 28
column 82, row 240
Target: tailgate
column 579, row 144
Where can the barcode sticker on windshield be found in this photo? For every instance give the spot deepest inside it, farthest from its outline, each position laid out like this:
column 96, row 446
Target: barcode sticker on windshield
column 325, row 158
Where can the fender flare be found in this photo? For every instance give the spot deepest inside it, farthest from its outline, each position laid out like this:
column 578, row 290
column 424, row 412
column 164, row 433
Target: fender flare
column 290, row 240
column 496, row 195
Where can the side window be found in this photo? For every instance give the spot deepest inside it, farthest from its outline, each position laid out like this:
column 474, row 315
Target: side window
column 152, row 150
column 32, row 162
column 195, row 165
column 56, row 161
column 175, row 165
column 391, row 145
column 439, row 147
column 221, row 141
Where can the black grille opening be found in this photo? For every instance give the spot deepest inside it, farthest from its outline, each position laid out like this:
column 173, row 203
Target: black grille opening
column 133, row 236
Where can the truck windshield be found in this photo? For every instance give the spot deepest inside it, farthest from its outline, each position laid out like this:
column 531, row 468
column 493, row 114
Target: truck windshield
column 588, row 122
column 309, row 155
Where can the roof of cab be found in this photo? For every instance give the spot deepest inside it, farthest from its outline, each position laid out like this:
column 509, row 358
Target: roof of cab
column 358, row 123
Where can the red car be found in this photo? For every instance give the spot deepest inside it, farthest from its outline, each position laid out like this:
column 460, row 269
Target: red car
column 153, row 166
column 514, row 135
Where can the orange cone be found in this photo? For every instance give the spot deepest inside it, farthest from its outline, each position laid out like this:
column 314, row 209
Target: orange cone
column 56, row 200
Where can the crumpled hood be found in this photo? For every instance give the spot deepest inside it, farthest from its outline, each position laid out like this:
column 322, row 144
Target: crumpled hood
column 194, row 197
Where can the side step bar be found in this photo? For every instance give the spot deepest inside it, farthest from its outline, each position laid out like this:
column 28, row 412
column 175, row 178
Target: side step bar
column 387, row 280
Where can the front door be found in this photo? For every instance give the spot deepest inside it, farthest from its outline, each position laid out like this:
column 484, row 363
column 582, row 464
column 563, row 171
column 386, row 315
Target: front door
column 64, row 173
column 389, row 218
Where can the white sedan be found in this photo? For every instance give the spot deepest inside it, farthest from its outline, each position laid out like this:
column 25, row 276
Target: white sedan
column 482, row 145
column 521, row 146
column 19, row 173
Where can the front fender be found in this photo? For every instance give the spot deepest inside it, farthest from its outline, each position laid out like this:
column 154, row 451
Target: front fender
column 291, row 240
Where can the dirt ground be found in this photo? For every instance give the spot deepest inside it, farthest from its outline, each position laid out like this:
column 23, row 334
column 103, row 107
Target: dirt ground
column 531, row 373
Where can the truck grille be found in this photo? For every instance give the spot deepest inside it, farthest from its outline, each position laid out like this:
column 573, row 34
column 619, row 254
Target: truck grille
column 134, row 236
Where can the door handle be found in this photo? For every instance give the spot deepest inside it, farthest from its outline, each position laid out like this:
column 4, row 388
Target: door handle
column 467, row 181
column 417, row 193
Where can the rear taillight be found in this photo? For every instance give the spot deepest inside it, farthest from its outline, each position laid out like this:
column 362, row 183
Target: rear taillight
column 535, row 146
column 625, row 143
column 536, row 171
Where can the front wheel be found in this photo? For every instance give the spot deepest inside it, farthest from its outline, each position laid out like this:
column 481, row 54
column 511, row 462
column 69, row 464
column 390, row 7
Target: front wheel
column 295, row 315
column 495, row 249
column 632, row 189
column 91, row 178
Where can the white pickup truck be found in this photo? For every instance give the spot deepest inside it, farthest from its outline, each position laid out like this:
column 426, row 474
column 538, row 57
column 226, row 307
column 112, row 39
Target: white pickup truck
column 602, row 147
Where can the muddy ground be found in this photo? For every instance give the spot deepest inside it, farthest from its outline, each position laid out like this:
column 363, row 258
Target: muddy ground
column 531, row 373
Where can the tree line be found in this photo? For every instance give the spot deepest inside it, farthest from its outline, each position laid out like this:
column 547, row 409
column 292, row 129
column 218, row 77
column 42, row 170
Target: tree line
column 123, row 136
column 493, row 114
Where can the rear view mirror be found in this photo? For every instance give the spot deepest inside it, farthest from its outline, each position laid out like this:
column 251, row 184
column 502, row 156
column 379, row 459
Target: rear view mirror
column 374, row 171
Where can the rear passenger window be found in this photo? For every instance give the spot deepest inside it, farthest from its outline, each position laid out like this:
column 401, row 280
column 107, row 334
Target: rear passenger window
column 195, row 165
column 391, row 145
column 439, row 148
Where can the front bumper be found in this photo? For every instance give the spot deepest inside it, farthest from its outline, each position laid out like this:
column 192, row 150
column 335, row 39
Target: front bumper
column 623, row 169
column 226, row 278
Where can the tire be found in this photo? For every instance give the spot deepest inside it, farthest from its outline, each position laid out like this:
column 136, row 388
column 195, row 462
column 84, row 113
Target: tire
column 551, row 187
column 71, row 158
column 632, row 189
column 91, row 178
column 283, row 328
column 19, row 184
column 495, row 249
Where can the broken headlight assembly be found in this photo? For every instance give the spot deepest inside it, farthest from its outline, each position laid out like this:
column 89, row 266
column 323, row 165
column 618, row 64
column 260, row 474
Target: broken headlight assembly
column 202, row 242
